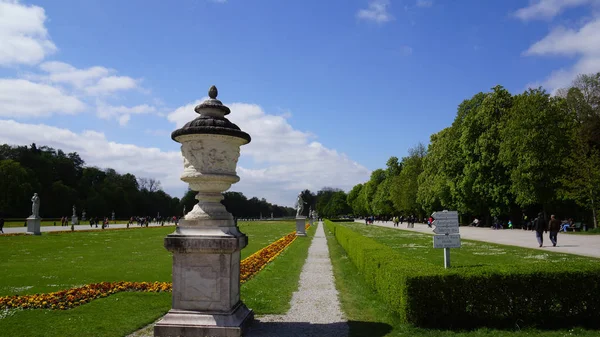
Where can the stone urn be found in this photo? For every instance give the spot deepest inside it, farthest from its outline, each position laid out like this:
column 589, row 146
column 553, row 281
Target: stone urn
column 206, row 244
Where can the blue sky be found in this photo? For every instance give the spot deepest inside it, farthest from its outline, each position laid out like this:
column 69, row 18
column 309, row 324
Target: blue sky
column 329, row 90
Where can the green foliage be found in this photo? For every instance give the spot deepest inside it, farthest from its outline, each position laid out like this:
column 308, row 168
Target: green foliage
column 535, row 146
column 242, row 207
column 519, row 291
column 62, row 180
column 355, row 201
column 405, row 186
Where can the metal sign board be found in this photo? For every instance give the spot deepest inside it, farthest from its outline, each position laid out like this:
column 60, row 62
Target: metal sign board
column 446, row 241
column 446, row 230
column 445, row 215
column 446, row 223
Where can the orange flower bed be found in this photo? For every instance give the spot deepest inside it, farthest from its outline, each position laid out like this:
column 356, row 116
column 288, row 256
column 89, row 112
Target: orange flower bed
column 257, row 261
column 66, row 299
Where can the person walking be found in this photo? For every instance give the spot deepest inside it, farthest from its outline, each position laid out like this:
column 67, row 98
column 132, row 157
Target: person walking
column 2, row 225
column 553, row 227
column 539, row 226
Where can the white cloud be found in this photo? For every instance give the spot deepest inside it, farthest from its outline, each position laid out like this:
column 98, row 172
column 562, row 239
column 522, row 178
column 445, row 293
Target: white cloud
column 96, row 150
column 122, row 113
column 25, row 99
column 376, row 12
column 582, row 43
column 63, row 73
column 547, row 9
column 424, row 3
column 23, row 36
column 107, row 85
column 289, row 160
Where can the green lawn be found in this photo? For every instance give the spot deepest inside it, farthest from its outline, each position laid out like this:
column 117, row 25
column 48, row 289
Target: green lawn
column 368, row 315
column 472, row 254
column 40, row 264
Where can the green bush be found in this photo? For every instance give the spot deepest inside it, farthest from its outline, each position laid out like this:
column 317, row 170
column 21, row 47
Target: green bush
column 426, row 295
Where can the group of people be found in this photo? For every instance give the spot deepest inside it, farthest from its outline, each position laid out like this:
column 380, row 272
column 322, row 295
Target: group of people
column 541, row 226
column 94, row 221
column 399, row 220
column 146, row 220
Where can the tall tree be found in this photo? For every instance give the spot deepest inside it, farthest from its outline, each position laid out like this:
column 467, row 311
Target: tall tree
column 484, row 184
column 535, row 146
column 404, row 187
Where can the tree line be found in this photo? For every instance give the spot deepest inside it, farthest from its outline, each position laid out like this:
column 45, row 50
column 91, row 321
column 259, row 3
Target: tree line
column 62, row 180
column 504, row 155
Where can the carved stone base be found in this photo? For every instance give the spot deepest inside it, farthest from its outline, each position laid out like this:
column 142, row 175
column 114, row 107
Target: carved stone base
column 33, row 225
column 202, row 324
column 300, row 226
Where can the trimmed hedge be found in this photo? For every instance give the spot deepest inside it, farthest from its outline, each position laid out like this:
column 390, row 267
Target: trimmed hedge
column 429, row 296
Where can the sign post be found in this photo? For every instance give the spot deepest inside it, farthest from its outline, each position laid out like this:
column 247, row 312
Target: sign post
column 446, row 226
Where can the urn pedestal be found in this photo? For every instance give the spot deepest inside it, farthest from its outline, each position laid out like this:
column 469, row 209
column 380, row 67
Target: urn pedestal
column 206, row 244
column 34, row 225
column 300, row 226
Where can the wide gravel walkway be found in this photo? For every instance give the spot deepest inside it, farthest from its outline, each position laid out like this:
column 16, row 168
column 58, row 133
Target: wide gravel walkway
column 579, row 244
column 315, row 308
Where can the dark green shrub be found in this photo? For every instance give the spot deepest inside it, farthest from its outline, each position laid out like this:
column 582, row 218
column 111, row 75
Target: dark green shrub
column 426, row 295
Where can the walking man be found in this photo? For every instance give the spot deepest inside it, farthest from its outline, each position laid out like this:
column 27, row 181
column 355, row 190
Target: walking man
column 554, row 227
column 539, row 226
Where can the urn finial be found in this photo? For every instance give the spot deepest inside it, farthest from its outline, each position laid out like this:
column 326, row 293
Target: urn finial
column 213, row 92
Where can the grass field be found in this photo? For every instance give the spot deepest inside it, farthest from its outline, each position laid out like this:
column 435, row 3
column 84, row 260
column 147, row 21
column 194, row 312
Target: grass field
column 472, row 254
column 368, row 315
column 40, row 264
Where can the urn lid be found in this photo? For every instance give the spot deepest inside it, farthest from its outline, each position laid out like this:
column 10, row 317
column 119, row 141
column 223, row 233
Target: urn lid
column 211, row 120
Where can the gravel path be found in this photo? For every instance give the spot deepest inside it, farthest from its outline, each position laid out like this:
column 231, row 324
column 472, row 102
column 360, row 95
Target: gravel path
column 315, row 308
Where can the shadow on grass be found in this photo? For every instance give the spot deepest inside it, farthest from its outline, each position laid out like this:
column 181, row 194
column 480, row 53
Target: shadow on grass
column 304, row 329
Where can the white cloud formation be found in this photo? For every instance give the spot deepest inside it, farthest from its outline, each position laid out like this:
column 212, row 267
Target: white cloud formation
column 424, row 3
column 110, row 84
column 96, row 150
column 547, row 9
column 582, row 43
column 64, row 73
column 122, row 113
column 25, row 99
column 23, row 36
column 288, row 159
column 376, row 12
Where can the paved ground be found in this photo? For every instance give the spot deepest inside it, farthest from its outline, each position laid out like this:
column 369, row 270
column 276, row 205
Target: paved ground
column 87, row 227
column 315, row 308
column 586, row 245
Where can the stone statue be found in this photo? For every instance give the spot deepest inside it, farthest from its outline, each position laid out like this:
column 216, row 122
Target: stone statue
column 113, row 216
column 300, row 205
column 35, row 206
column 74, row 211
